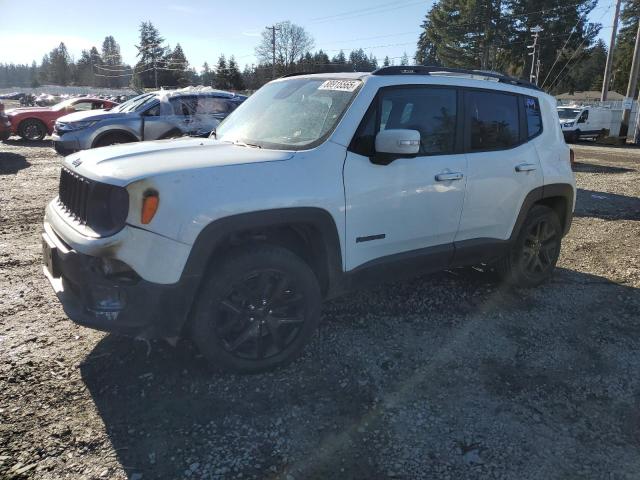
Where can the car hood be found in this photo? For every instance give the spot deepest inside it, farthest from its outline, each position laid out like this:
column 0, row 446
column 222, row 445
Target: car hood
column 19, row 110
column 127, row 163
column 91, row 115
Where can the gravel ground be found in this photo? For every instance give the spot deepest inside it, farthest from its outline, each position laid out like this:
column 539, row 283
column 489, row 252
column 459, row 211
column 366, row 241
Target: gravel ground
column 447, row 376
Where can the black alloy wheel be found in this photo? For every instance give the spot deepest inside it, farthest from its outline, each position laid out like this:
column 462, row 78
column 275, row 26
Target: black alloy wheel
column 534, row 253
column 261, row 315
column 256, row 309
column 541, row 247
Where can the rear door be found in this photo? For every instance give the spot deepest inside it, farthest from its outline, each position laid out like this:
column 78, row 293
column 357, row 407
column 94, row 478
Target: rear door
column 503, row 165
column 413, row 203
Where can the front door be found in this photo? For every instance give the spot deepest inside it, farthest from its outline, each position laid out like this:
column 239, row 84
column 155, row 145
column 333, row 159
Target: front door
column 409, row 204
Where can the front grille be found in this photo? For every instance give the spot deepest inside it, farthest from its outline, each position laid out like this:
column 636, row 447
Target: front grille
column 73, row 194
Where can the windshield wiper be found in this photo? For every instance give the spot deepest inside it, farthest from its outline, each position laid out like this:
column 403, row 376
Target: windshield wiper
column 245, row 144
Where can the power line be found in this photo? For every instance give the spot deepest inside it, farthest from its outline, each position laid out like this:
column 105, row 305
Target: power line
column 363, row 11
column 574, row 54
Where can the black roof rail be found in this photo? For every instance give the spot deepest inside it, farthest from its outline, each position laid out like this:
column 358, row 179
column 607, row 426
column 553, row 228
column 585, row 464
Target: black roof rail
column 294, row 74
column 428, row 70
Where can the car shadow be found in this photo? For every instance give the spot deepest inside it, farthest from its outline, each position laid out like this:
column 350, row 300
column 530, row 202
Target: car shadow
column 607, row 206
column 582, row 167
column 19, row 142
column 11, row 163
column 168, row 416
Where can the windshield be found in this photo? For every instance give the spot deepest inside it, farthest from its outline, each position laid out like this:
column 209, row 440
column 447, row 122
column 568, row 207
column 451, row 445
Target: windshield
column 64, row 104
column 290, row 114
column 135, row 104
column 568, row 113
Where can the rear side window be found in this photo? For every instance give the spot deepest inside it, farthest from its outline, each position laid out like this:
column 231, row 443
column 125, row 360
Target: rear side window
column 211, row 105
column 534, row 118
column 430, row 111
column 493, row 120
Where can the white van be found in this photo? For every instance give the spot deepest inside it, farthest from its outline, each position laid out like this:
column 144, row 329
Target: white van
column 588, row 122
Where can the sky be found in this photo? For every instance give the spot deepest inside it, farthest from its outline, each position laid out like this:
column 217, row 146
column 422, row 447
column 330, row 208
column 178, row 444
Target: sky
column 206, row 28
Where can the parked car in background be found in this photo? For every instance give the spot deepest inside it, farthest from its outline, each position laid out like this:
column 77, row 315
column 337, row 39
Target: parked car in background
column 34, row 123
column 5, row 125
column 588, row 122
column 150, row 116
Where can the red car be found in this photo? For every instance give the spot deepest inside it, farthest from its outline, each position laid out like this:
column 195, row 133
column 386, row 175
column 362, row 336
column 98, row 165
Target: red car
column 33, row 123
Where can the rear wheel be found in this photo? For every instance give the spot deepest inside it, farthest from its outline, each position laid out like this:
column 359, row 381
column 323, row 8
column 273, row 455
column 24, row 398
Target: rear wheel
column 112, row 139
column 257, row 310
column 535, row 252
column 32, row 129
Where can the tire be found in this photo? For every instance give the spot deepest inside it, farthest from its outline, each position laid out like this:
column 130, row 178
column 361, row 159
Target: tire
column 32, row 129
column 534, row 254
column 112, row 139
column 256, row 310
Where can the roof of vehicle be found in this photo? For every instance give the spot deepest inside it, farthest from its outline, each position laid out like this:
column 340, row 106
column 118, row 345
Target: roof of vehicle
column 199, row 90
column 469, row 78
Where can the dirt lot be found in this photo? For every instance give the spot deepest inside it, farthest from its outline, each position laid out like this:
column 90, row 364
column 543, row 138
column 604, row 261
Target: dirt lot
column 448, row 376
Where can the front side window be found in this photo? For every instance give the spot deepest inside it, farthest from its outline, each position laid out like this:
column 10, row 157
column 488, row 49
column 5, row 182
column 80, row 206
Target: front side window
column 534, row 117
column 493, row 121
column 291, row 114
column 184, row 106
column 429, row 110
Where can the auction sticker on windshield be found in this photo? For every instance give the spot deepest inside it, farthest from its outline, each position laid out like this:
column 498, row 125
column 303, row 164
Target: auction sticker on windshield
column 340, row 85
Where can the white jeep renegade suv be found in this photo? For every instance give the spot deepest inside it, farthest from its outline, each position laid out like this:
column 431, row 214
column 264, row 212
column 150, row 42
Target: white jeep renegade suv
column 314, row 185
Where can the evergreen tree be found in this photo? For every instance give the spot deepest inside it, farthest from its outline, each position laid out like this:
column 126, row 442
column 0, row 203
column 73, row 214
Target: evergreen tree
column 177, row 73
column 116, row 74
column 59, row 71
column 207, row 76
column 234, row 76
column 339, row 59
column 386, row 62
column 222, row 74
column 623, row 53
column 151, row 53
column 404, row 60
column 494, row 34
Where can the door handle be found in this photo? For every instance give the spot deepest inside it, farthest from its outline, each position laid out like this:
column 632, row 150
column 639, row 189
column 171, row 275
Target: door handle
column 525, row 167
column 446, row 177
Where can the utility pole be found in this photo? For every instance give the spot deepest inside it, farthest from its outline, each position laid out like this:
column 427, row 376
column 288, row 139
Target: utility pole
column 273, row 48
column 609, row 64
column 631, row 88
column 535, row 64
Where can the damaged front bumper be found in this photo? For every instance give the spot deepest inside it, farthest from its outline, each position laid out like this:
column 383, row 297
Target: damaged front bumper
column 106, row 294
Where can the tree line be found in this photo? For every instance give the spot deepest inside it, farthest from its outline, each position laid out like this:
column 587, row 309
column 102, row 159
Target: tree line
column 478, row 34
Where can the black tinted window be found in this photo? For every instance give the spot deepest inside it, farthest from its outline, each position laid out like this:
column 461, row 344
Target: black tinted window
column 431, row 111
column 493, row 120
column 534, row 118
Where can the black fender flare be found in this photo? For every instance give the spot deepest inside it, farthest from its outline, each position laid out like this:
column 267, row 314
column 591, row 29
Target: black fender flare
column 553, row 190
column 214, row 234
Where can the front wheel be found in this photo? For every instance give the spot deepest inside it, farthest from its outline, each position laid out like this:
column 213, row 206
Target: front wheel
column 256, row 310
column 32, row 130
column 534, row 254
column 112, row 139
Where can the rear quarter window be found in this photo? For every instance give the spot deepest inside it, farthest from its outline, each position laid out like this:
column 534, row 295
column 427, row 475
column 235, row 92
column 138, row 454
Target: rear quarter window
column 534, row 117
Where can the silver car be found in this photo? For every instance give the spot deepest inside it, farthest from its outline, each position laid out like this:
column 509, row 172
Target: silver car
column 150, row 116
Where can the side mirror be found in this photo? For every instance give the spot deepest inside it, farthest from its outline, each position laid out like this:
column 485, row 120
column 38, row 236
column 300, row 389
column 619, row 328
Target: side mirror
column 398, row 142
